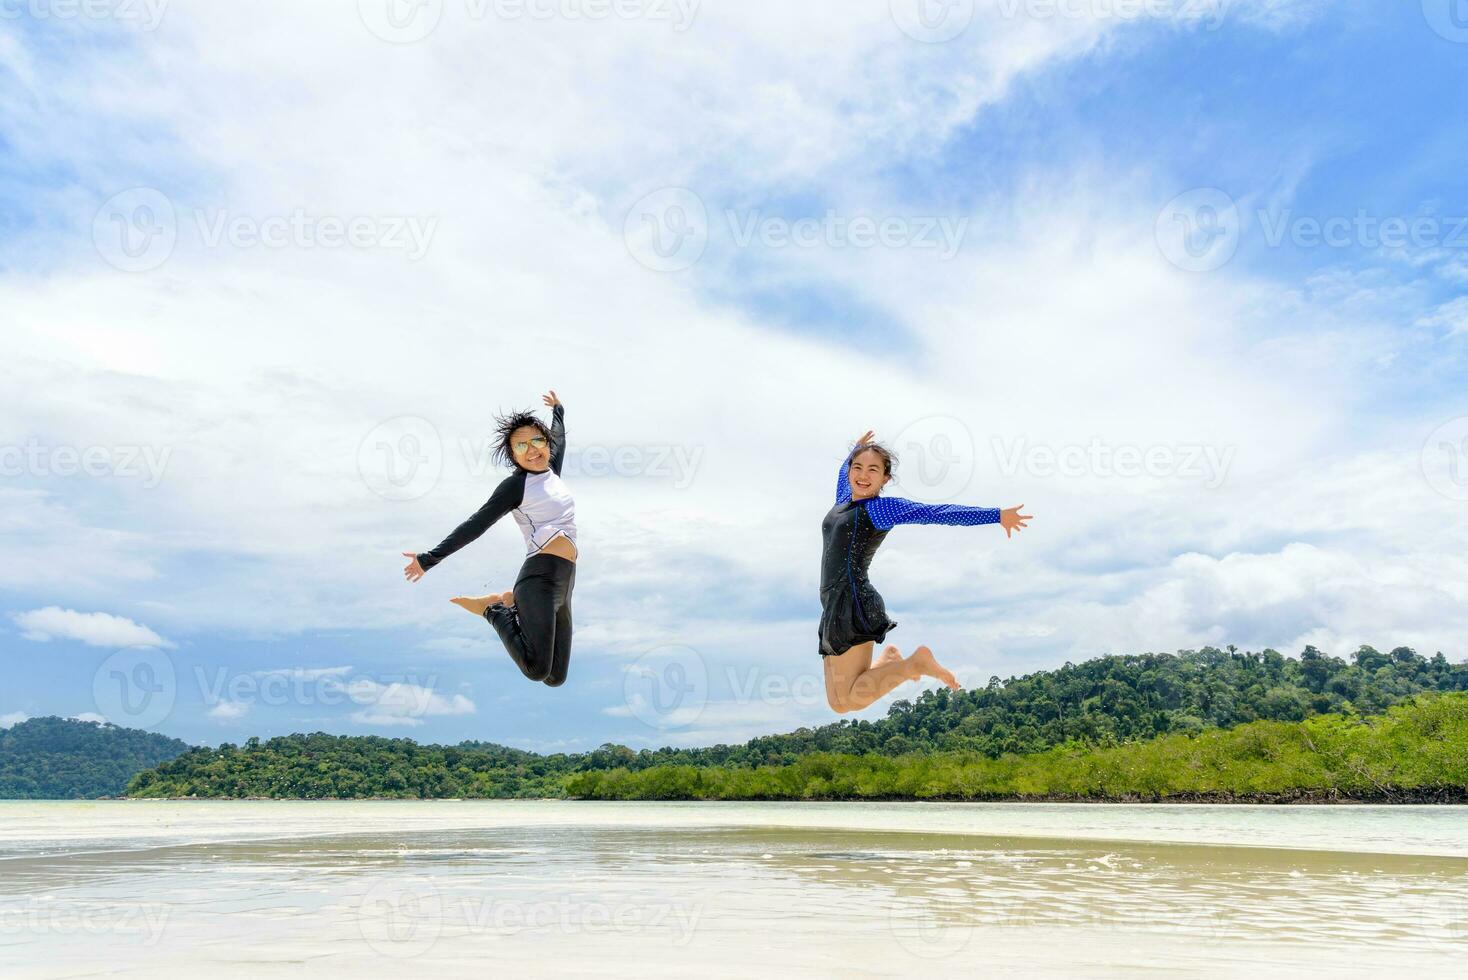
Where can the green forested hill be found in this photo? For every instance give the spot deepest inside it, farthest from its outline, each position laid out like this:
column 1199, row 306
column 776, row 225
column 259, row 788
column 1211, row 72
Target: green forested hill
column 63, row 759
column 1417, row 752
column 322, row 766
column 1103, row 702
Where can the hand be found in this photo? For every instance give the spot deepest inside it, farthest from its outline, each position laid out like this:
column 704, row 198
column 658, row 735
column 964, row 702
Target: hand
column 1012, row 520
column 414, row 571
column 550, row 399
column 870, row 437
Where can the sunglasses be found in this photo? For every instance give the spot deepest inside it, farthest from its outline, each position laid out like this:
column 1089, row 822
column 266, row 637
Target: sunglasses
column 538, row 442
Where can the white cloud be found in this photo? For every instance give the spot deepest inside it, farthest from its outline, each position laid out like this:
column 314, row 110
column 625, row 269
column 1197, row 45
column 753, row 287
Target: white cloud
column 1059, row 322
column 1452, row 316
column 91, row 716
column 399, row 703
column 228, row 711
column 94, row 629
column 304, row 673
column 13, row 718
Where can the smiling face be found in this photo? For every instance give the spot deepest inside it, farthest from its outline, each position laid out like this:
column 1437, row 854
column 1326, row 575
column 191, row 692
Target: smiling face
column 868, row 474
column 531, row 448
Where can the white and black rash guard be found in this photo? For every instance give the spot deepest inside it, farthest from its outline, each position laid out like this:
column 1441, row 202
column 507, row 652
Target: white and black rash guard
column 542, row 505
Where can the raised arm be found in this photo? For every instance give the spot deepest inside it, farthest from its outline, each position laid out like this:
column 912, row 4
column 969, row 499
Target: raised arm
column 888, row 512
column 843, row 479
column 843, row 475
column 558, row 431
column 558, row 438
column 506, row 497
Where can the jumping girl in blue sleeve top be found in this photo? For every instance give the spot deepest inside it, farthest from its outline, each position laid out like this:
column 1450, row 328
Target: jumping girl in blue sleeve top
column 853, row 617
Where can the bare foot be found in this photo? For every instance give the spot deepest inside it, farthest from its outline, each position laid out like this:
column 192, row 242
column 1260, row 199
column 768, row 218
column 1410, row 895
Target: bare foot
column 922, row 660
column 890, row 655
column 506, row 598
column 475, row 606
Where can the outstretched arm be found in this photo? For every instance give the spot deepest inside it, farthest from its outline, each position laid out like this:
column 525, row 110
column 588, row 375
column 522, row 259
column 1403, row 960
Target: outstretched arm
column 558, row 431
column 888, row 512
column 506, row 497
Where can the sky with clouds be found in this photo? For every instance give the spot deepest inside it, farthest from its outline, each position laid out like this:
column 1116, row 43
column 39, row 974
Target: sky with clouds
column 1187, row 278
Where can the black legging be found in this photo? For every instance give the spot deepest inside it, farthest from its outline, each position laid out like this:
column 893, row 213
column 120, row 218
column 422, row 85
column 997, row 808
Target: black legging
column 537, row 630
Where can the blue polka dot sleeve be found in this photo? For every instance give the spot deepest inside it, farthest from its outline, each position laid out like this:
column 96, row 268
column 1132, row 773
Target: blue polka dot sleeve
column 888, row 512
column 843, row 481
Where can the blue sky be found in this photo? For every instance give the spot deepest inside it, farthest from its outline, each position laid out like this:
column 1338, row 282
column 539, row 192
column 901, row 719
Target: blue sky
column 237, row 538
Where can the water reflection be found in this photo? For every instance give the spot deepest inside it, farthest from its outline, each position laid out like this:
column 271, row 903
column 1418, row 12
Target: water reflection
column 726, row 899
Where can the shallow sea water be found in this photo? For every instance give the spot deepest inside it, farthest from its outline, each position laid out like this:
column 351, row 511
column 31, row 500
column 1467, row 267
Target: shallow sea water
column 554, row 888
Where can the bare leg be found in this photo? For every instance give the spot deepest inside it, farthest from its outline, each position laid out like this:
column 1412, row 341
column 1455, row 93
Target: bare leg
column 922, row 659
column 854, row 683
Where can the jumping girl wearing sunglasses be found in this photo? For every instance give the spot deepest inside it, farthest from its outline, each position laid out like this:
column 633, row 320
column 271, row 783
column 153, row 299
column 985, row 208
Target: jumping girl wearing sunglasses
column 533, row 619
column 853, row 617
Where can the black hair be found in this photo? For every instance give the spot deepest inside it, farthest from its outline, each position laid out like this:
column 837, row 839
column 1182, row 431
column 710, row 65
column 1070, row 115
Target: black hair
column 889, row 458
column 505, row 426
